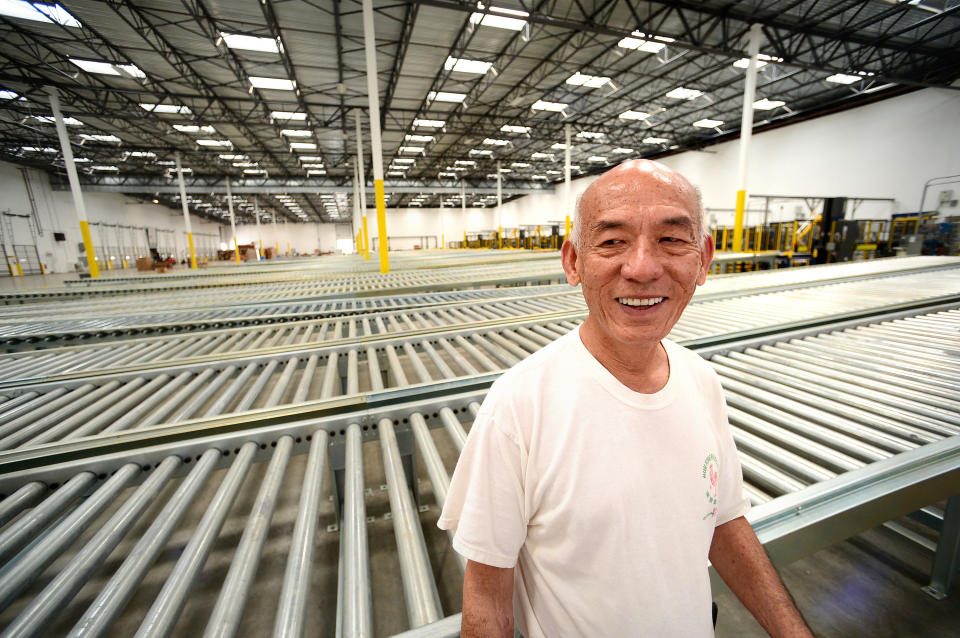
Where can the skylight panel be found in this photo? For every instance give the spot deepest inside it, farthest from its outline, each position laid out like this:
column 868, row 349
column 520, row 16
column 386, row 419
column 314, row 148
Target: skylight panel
column 500, row 18
column 429, row 123
column 418, row 138
column 52, row 13
column 589, row 81
column 108, row 68
column 194, row 128
column 634, row 115
column 99, row 138
column 543, row 105
column 622, row 150
column 215, row 143
column 708, row 123
column 288, row 116
column 492, row 141
column 643, row 42
column 277, row 84
column 590, row 135
column 296, row 132
column 509, row 128
column 49, row 119
column 410, row 149
column 463, row 65
column 843, row 78
column 306, row 146
column 250, row 42
column 166, row 108
column 446, row 96
column 39, row 149
column 681, row 93
column 8, row 95
column 767, row 105
column 762, row 60
column 655, row 140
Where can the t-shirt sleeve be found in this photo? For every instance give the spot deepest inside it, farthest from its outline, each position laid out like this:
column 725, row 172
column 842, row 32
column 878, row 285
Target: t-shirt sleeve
column 733, row 503
column 485, row 502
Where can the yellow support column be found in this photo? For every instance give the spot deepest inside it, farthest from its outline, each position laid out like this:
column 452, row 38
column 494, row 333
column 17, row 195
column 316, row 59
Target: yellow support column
column 186, row 211
column 723, row 244
column 88, row 249
column 366, row 240
column 566, row 235
column 382, row 225
column 19, row 269
column 738, row 222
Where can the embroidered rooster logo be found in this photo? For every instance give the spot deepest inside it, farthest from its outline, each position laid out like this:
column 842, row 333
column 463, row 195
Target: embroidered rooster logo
column 710, row 473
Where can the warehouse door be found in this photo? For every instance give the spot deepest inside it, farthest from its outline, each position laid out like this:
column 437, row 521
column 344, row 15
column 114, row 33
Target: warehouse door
column 28, row 258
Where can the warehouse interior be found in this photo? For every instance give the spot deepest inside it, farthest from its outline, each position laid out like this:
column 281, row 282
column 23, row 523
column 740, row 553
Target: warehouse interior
column 226, row 408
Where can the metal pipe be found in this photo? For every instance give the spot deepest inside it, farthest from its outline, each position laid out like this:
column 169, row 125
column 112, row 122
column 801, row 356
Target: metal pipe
column 228, row 610
column 296, row 579
column 186, row 211
column 357, row 609
column 20, row 500
column 250, row 397
column 303, row 389
column 162, row 616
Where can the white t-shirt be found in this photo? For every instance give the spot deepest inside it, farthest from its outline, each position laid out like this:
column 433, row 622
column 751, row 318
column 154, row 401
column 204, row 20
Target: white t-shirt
column 604, row 499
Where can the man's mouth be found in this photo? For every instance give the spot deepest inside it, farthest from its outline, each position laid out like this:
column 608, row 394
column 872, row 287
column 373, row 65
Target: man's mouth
column 638, row 301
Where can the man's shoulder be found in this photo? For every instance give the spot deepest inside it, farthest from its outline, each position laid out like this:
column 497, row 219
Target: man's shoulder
column 533, row 371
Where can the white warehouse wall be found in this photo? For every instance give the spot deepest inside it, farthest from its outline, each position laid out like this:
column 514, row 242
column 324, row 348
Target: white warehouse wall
column 56, row 213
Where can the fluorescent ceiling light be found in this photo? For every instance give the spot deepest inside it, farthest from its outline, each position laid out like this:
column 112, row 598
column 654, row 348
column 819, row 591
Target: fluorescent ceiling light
column 767, row 105
column 500, row 21
column 49, row 119
column 463, row 65
column 160, row 163
column 395, row 174
column 104, row 168
column 597, row 158
column 541, row 156
column 194, row 128
column 444, row 174
column 553, row 172
column 492, row 141
column 643, row 42
column 100, row 138
column 708, row 123
column 446, row 96
column 622, row 150
column 250, row 42
column 215, row 143
column 476, row 151
column 680, row 93
column 589, row 81
column 590, row 135
column 843, row 78
column 418, row 138
column 558, row 146
column 38, row 149
column 634, row 115
column 307, row 146
column 508, row 128
column 141, row 154
column 38, row 12
column 288, row 116
column 310, row 158
column 538, row 177
column 465, row 163
column 245, row 164
column 404, row 160
column 410, row 149
column 296, row 132
column 429, row 123
column 655, row 140
column 166, row 108
column 108, row 68
column 542, row 105
column 520, row 165
column 232, row 157
column 278, row 84
column 317, row 165
column 506, row 170
column 254, row 171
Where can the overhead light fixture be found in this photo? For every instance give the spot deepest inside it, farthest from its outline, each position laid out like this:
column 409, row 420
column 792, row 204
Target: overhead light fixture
column 762, row 61
column 443, row 174
column 288, row 116
column 463, row 65
column 541, row 156
column 317, row 165
column 642, row 42
column 500, row 18
column 446, row 96
column 589, row 81
column 553, row 172
column 194, row 128
column 38, row 12
column 166, row 108
column 543, row 105
column 105, row 168
column 49, row 119
column 99, row 138
column 558, row 146
column 410, row 149
column 246, row 164
column 492, row 141
column 655, row 140
column 39, row 149
column 8, row 95
column 634, row 115
column 622, row 150
column 277, row 84
column 142, row 154
column 590, row 135
column 310, row 158
column 520, row 165
column 681, row 93
column 230, row 157
column 215, row 143
column 477, row 151
column 543, row 177
column 843, row 78
column 404, row 160
column 307, row 146
column 418, row 138
column 108, row 68
column 250, row 42
column 597, row 158
column 254, row 171
column 429, row 123
column 509, row 128
column 708, row 123
column 395, row 174
column 296, row 132
column 465, row 163
column 767, row 105
column 506, row 170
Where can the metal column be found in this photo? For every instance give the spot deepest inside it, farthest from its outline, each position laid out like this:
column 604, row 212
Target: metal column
column 373, row 96
column 256, row 213
column 746, row 129
column 363, row 185
column 499, row 206
column 566, row 178
column 233, row 222
column 186, row 211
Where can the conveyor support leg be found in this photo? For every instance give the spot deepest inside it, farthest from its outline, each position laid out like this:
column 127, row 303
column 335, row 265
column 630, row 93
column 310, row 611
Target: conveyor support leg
column 947, row 559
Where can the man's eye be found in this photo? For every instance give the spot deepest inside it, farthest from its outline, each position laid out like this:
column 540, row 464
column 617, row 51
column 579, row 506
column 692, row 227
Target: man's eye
column 610, row 242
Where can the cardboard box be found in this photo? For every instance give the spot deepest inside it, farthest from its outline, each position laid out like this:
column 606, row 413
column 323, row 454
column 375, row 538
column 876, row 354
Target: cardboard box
column 145, row 264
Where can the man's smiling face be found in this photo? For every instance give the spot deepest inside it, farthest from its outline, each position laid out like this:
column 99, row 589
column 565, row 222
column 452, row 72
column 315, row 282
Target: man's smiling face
column 641, row 256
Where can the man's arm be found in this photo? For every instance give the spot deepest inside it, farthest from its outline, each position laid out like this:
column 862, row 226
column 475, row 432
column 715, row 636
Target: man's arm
column 487, row 602
column 743, row 564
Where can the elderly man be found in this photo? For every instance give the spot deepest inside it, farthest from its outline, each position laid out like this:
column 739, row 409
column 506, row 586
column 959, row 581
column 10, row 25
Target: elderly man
column 600, row 473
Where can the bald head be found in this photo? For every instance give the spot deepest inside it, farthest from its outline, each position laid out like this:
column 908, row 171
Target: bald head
column 638, row 176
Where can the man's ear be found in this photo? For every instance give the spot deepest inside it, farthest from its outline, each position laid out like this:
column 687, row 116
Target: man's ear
column 706, row 256
column 568, row 257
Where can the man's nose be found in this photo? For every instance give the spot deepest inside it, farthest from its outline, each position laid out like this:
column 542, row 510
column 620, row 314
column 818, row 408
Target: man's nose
column 642, row 262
